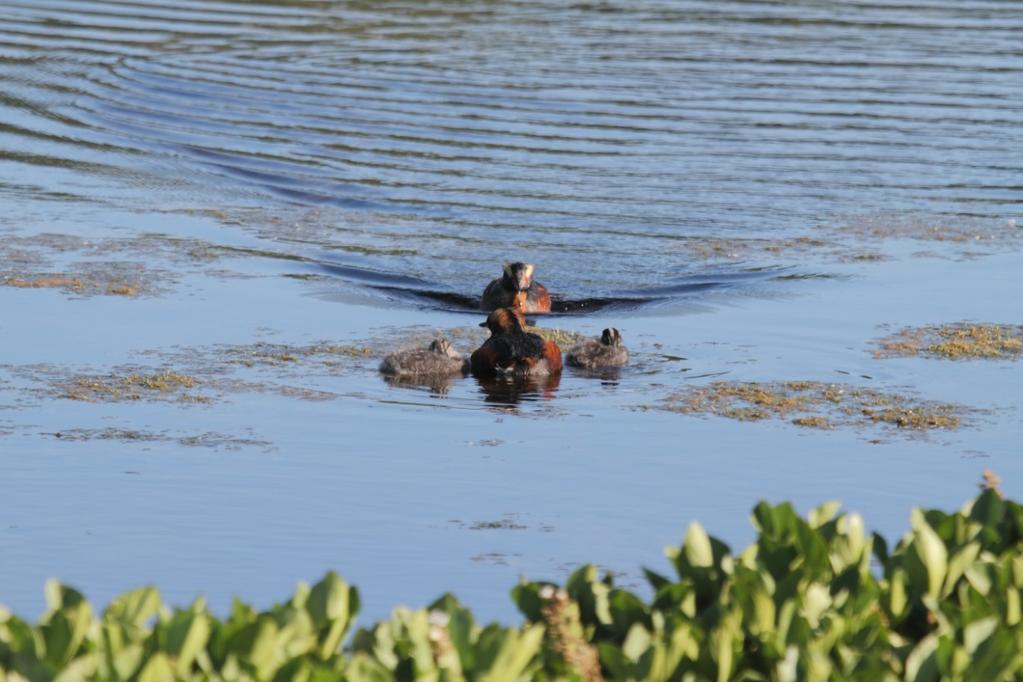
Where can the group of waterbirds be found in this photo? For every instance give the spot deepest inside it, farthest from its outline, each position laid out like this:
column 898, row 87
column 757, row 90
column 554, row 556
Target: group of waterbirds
column 511, row 351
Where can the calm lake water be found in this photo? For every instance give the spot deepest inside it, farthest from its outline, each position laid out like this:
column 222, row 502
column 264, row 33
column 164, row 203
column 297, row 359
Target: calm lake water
column 750, row 191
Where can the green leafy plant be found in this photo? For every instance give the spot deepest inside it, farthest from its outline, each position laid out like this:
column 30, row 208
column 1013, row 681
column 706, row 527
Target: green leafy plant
column 813, row 598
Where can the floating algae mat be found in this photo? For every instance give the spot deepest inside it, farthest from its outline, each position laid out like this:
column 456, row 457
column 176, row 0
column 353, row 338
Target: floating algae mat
column 201, row 375
column 957, row 341
column 274, row 354
column 143, row 265
column 207, row 439
column 815, row 404
column 140, row 385
column 565, row 338
column 88, row 279
column 859, row 238
column 930, row 228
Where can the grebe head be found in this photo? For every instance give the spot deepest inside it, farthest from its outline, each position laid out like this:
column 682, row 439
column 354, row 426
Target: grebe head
column 518, row 276
column 611, row 337
column 443, row 347
column 504, row 321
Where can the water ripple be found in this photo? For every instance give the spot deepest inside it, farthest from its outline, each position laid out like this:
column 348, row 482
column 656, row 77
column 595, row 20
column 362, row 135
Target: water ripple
column 454, row 135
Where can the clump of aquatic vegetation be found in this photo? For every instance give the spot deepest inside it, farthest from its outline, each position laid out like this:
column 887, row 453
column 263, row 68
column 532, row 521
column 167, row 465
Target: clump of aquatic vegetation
column 467, row 338
column 815, row 404
column 813, row 598
column 91, row 283
column 208, row 439
column 160, row 385
column 930, row 228
column 957, row 341
column 114, row 266
column 206, row 374
column 279, row 353
column 741, row 248
column 857, row 239
column 563, row 337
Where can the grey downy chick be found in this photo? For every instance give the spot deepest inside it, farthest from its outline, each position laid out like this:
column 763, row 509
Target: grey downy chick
column 594, row 354
column 440, row 358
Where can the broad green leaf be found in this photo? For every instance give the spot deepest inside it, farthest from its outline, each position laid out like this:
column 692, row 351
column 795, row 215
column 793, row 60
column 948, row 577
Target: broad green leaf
column 328, row 600
column 1012, row 607
column 979, row 578
column 958, row 564
column 79, row 670
column 614, row 660
column 66, row 624
column 584, row 587
column 362, row 668
column 998, row 657
column 897, row 600
column 515, row 652
column 656, row 580
column 976, row 632
column 332, row 604
column 157, row 669
column 134, row 610
column 931, row 552
column 186, row 636
column 526, row 596
column 256, row 644
column 636, row 643
column 921, row 664
column 696, row 547
column 987, row 508
column 787, row 669
column 822, row 514
column 816, row 600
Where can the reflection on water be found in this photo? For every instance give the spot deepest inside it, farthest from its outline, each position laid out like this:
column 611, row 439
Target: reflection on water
column 511, row 389
column 608, row 376
column 438, row 385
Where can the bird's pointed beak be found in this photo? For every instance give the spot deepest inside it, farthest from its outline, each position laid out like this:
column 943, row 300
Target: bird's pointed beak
column 483, row 324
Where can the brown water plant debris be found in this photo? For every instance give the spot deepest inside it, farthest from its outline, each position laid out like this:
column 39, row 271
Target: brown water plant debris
column 209, row 439
column 116, row 387
column 745, row 248
column 507, row 523
column 814, row 422
column 930, row 228
column 89, row 279
column 108, row 266
column 45, row 282
column 562, row 337
column 819, row 405
column 857, row 238
column 275, row 354
column 958, row 341
column 494, row 558
column 71, row 284
column 465, row 339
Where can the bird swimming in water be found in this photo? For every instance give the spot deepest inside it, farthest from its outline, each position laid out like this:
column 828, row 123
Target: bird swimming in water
column 593, row 354
column 439, row 359
column 512, row 351
column 516, row 289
